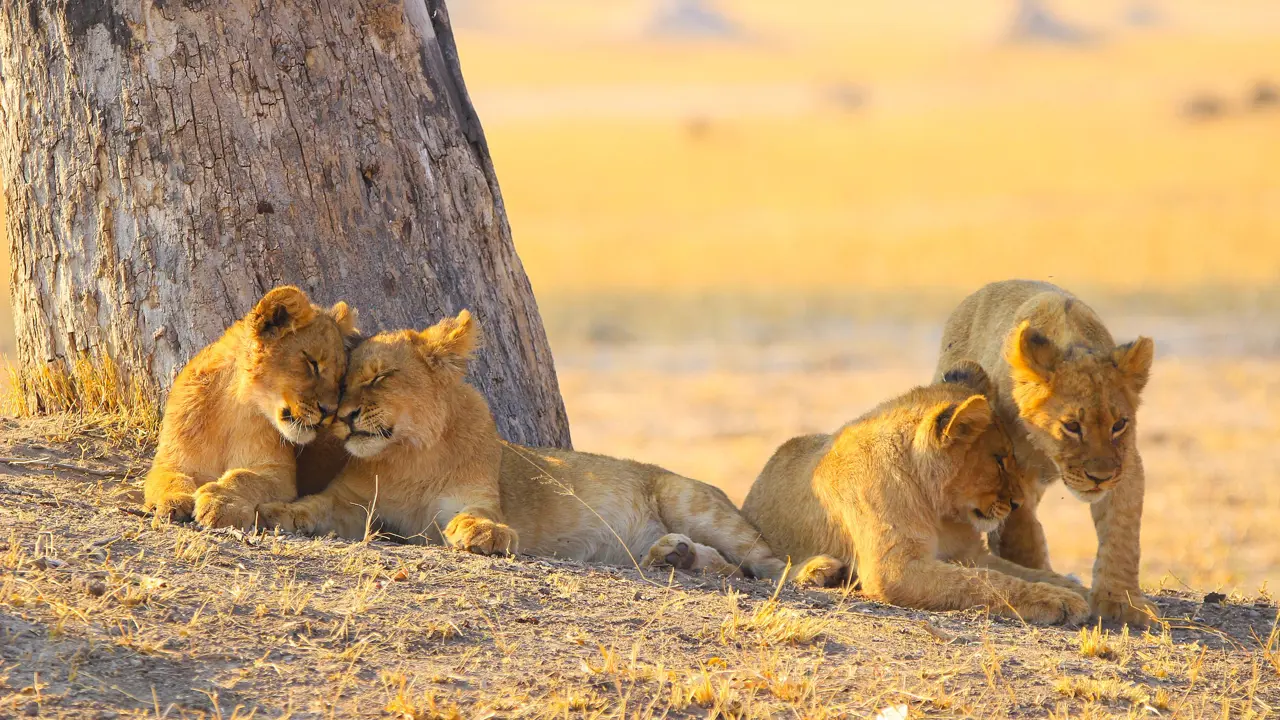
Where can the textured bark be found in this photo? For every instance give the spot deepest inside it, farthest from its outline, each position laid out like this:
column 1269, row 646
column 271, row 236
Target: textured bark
column 167, row 162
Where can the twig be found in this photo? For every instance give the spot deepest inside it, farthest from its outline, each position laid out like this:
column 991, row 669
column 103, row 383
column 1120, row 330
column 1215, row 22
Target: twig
column 54, row 465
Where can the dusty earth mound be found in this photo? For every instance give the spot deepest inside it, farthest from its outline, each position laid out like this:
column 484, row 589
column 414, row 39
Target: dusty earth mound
column 105, row 614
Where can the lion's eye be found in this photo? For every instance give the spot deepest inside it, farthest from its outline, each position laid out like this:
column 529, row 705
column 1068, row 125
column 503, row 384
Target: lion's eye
column 315, row 367
column 1000, row 462
column 1072, row 428
column 379, row 378
column 1120, row 425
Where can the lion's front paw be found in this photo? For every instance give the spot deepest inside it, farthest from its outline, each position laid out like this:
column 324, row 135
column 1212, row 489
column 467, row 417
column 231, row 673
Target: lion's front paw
column 481, row 535
column 178, row 507
column 1048, row 604
column 216, row 507
column 819, row 571
column 288, row 517
column 1128, row 607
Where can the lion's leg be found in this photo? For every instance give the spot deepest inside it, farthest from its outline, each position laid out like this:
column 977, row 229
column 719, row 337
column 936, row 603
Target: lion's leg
column 682, row 553
column 706, row 515
column 931, row 584
column 1118, row 519
column 991, row 562
column 342, row 508
column 1021, row 540
column 170, row 494
column 232, row 500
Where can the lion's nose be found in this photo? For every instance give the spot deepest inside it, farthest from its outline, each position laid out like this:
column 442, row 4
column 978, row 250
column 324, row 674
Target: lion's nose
column 327, row 410
column 1101, row 477
column 1014, row 505
column 350, row 418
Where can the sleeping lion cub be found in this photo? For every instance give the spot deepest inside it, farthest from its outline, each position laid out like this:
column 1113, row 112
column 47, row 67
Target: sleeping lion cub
column 428, row 456
column 239, row 411
column 900, row 496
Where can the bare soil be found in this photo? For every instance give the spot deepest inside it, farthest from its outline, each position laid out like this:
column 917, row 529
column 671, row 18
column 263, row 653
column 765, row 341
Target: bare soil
column 105, row 613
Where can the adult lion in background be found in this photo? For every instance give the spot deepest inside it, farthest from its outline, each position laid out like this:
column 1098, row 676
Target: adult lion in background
column 1070, row 397
column 429, row 465
column 900, row 495
column 242, row 405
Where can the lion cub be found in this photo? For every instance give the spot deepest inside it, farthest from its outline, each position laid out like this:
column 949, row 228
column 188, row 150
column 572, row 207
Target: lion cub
column 900, row 497
column 242, row 404
column 429, row 465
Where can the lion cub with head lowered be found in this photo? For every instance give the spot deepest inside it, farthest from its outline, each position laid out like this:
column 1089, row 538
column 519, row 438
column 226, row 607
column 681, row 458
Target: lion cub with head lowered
column 900, row 496
column 428, row 456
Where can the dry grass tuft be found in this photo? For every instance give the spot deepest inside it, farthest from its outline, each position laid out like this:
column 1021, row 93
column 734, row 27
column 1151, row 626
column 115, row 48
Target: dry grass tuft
column 403, row 703
column 1102, row 690
column 92, row 392
column 770, row 624
column 1098, row 643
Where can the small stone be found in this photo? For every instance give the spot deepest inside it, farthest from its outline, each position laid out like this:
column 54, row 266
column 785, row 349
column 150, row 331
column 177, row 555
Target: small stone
column 1215, row 598
column 32, row 709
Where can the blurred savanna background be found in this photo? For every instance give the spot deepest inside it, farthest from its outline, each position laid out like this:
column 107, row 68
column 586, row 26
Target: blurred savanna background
column 747, row 219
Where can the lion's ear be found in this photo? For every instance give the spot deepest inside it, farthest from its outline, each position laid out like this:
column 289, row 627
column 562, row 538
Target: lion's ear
column 969, row 374
column 1031, row 356
column 1134, row 361
column 960, row 422
column 280, row 312
column 345, row 316
column 450, row 341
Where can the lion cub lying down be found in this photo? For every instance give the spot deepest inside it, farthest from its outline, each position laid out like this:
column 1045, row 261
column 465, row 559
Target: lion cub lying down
column 239, row 411
column 900, row 495
column 428, row 456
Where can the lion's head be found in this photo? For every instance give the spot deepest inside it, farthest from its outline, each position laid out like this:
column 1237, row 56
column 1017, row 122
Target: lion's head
column 297, row 357
column 984, row 482
column 400, row 385
column 1078, row 405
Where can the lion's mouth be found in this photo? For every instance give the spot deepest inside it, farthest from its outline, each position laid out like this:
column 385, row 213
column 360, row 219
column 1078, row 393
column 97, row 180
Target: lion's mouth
column 384, row 433
column 984, row 521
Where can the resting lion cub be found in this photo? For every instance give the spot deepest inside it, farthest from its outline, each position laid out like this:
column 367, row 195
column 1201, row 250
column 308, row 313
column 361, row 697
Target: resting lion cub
column 1070, row 396
column 900, row 495
column 428, row 456
column 239, row 407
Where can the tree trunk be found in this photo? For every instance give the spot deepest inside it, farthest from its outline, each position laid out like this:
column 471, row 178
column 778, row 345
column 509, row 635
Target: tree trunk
column 168, row 162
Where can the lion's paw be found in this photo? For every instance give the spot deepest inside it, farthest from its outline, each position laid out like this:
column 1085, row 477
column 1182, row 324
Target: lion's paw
column 216, row 507
column 819, row 571
column 1128, row 607
column 286, row 516
column 1048, row 604
column 481, row 535
column 673, row 549
column 178, row 507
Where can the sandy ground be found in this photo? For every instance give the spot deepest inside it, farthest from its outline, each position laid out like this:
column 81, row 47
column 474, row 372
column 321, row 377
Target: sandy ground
column 104, row 614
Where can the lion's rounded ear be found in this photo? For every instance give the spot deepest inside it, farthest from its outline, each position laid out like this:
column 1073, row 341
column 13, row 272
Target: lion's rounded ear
column 345, row 316
column 1134, row 361
column 960, row 422
column 1031, row 356
column 280, row 312
column 451, row 340
column 969, row 374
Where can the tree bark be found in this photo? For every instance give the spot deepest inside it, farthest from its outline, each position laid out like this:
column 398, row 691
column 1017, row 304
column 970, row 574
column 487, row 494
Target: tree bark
column 167, row 162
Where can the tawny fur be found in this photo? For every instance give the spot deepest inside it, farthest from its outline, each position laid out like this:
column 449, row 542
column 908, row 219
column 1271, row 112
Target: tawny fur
column 897, row 499
column 240, row 409
column 1070, row 396
column 428, row 465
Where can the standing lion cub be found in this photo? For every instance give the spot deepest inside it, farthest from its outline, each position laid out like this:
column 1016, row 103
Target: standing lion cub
column 899, row 497
column 429, row 465
column 1070, row 395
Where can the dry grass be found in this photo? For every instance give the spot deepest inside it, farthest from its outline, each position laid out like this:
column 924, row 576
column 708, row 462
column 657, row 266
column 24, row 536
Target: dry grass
column 87, row 392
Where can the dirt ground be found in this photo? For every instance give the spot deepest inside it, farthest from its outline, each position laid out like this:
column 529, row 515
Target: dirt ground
column 104, row 614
